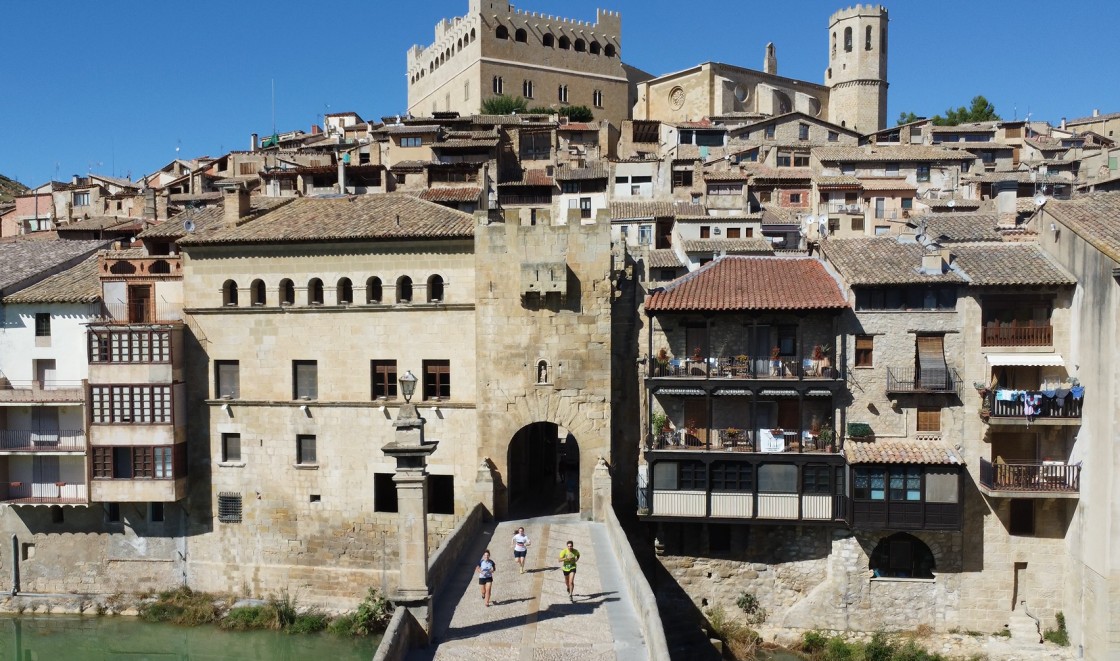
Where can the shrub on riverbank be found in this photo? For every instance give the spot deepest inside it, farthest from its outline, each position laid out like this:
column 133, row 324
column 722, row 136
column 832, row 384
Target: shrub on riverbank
column 819, row 647
column 182, row 606
column 372, row 616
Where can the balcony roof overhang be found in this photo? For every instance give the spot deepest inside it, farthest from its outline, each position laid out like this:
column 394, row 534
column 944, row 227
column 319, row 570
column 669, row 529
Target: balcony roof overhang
column 1025, row 359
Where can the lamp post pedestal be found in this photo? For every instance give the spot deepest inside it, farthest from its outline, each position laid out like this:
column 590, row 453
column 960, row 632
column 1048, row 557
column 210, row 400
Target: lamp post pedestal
column 411, row 478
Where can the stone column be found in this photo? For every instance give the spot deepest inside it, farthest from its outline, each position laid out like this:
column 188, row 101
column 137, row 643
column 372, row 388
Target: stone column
column 600, row 490
column 484, row 486
column 411, row 478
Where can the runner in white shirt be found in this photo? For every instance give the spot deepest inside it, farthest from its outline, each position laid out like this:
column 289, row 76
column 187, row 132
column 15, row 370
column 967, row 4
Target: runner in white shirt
column 521, row 544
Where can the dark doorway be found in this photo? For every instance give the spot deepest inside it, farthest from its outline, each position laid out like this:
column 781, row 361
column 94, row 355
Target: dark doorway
column 543, row 467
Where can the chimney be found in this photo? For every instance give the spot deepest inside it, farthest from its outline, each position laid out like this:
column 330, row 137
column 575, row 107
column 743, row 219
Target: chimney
column 770, row 63
column 933, row 262
column 342, row 173
column 315, row 130
column 1063, row 123
column 149, row 204
column 235, row 205
column 1096, row 112
column 74, row 177
column 253, row 144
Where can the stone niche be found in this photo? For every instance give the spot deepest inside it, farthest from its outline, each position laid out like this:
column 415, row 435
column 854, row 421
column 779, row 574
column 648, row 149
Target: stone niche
column 544, row 277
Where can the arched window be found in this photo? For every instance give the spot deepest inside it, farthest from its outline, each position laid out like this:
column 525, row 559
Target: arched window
column 373, row 290
column 472, row 34
column 833, row 44
column 609, row 50
column 580, row 46
column 502, row 32
column 595, row 48
column 287, row 292
column 159, row 266
column 256, row 292
column 229, row 293
column 867, row 39
column 902, row 556
column 344, row 293
column 435, row 289
column 521, row 35
column 848, row 40
column 404, row 289
column 548, row 40
column 565, row 43
column 315, row 292
column 459, row 47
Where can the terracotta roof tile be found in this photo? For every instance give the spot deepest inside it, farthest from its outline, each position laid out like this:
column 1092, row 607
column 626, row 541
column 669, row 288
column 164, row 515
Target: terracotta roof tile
column 466, row 143
column 726, row 175
column 882, row 261
column 840, row 181
column 379, row 216
column 209, row 219
column 597, row 171
column 80, row 284
column 461, row 194
column 753, row 245
column 578, row 126
column 877, row 153
column 901, row 452
column 872, row 184
column 410, row 129
column 1020, row 176
column 956, row 227
column 762, row 173
column 534, row 177
column 1010, row 264
column 737, row 283
column 653, row 209
column 705, row 218
column 98, row 223
column 28, row 256
column 957, row 203
column 664, row 258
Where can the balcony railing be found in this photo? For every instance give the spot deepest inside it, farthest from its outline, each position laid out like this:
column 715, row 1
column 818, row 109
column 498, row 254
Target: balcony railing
column 1046, row 476
column 743, row 367
column 1063, row 403
column 1017, row 336
column 41, row 391
column 910, row 380
column 835, row 207
column 747, row 505
column 22, row 440
column 741, row 440
column 43, row 493
column 141, row 313
column 510, row 200
column 140, row 267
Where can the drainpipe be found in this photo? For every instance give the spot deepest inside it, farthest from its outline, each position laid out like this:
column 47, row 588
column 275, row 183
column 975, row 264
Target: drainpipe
column 15, row 565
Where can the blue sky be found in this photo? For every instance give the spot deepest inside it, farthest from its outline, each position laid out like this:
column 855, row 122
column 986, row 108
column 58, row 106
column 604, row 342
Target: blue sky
column 117, row 88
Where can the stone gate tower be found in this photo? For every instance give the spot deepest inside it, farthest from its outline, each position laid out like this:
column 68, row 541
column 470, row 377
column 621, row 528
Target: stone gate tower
column 857, row 68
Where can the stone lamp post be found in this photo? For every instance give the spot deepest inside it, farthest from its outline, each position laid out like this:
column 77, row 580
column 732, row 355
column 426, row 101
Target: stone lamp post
column 411, row 478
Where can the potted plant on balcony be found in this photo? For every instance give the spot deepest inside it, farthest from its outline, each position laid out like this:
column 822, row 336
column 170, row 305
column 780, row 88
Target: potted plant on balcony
column 697, row 354
column 659, row 422
column 663, row 356
column 826, row 437
column 859, row 431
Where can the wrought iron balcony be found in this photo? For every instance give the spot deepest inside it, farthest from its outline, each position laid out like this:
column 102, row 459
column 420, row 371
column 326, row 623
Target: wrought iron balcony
column 910, row 380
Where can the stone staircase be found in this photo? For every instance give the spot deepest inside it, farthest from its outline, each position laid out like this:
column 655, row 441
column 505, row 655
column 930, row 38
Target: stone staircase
column 1024, row 630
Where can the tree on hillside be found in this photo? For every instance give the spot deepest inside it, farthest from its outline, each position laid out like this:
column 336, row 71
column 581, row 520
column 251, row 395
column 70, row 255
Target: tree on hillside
column 573, row 113
column 907, row 117
column 504, row 105
column 980, row 110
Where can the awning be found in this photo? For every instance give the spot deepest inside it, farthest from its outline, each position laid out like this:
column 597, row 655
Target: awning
column 1026, row 359
column 933, row 372
column 732, row 392
column 694, row 392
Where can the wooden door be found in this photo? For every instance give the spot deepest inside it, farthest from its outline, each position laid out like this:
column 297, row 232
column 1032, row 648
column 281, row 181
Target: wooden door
column 696, row 417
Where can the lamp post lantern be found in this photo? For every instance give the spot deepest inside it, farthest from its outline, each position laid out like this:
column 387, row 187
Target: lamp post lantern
column 411, row 478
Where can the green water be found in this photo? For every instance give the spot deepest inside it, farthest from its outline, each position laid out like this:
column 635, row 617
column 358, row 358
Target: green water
column 66, row 637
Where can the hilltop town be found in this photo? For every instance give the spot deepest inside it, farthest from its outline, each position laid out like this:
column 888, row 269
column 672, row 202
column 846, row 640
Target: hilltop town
column 859, row 372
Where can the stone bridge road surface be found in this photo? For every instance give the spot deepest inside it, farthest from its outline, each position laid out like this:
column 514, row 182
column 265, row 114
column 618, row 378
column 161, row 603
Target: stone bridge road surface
column 530, row 617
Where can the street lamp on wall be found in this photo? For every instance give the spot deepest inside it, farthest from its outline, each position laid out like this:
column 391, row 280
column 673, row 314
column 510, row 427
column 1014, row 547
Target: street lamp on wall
column 408, row 385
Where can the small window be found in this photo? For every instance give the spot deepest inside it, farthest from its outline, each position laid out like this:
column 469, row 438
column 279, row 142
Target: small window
column 1021, row 520
column 113, row 512
column 595, row 48
column 857, row 223
column 891, row 169
column 562, row 94
column 580, row 46
column 441, row 494
column 867, row 39
column 498, row 85
column 719, row 538
column 155, row 512
column 548, row 40
column 777, row 478
column 373, row 290
column 435, row 289
column 795, row 198
column 682, row 179
column 412, row 141
column 502, row 32
column 305, row 450
column 257, row 293
column 907, row 203
column 733, row 233
column 231, row 447
column 802, row 131
column 922, row 172
column 305, row 378
column 865, row 350
column 705, row 231
column 902, row 556
column 404, row 289
column 229, row 507
column 344, row 293
column 770, row 131
column 527, row 89
column 523, row 37
column 847, row 168
column 42, row 324
column 437, row 379
column 597, row 98
column 287, row 292
column 609, row 50
column 383, row 375
column 848, row 40
column 929, row 419
column 565, row 43
column 229, row 293
column 227, row 379
column 315, row 292
column 384, row 493
column 833, row 136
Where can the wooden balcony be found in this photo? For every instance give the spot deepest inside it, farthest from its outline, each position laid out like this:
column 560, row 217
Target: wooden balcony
column 37, row 391
column 909, row 380
column 22, row 440
column 43, row 493
column 1053, row 407
column 748, row 506
column 1045, row 479
column 741, row 440
column 743, row 367
column 116, row 264
column 1015, row 335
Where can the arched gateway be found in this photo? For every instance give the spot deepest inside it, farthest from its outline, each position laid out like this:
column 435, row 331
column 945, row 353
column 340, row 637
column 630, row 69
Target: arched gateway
column 543, row 471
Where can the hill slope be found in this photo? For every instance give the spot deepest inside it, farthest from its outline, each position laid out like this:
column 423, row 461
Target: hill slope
column 9, row 189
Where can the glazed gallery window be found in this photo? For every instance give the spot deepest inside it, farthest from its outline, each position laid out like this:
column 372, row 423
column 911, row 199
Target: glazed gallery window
column 135, row 346
column 131, row 405
column 139, row 462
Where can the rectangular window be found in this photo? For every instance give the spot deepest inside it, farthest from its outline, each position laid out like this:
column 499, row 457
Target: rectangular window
column 441, row 494
column 143, row 462
column 665, row 476
column 734, row 232
column 155, row 512
column 922, row 171
column 113, row 512
column 802, row 131
column 800, row 160
column 784, row 159
column 42, row 324
column 869, row 483
column 725, row 189
column 833, row 136
column 795, row 198
column 498, row 85
column 383, row 374
column 305, row 450
column 942, row 485
column 865, row 351
column 437, row 379
column 585, row 207
column 770, row 132
column 732, row 476
column 131, row 346
column 131, row 404
column 1021, row 517
column 645, row 235
column 891, row 169
column 816, row 480
column 231, row 447
column 682, row 179
column 246, row 168
column 857, row 224
column 847, row 168
column 384, row 493
column 227, row 375
column 907, row 203
column 81, row 199
column 929, row 419
column 693, row 476
column 413, row 141
column 103, row 462
column 705, row 231
column 777, row 478
column 305, row 379
column 163, row 463
column 535, row 146
column 229, row 507
column 906, row 483
column 570, row 187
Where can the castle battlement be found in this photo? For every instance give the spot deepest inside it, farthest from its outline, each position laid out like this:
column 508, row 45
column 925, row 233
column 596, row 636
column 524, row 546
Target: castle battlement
column 858, row 10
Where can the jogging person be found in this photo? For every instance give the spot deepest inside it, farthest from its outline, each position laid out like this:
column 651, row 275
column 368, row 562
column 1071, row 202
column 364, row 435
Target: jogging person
column 568, row 559
column 485, row 571
column 521, row 544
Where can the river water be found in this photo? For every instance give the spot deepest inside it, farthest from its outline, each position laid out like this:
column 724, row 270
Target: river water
column 85, row 638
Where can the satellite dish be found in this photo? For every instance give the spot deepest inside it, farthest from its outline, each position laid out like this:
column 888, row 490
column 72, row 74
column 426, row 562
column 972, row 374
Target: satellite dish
column 1039, row 200
column 188, row 225
column 811, row 219
column 952, row 203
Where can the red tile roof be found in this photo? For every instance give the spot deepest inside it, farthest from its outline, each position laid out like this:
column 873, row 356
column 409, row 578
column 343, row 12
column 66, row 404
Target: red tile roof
column 901, row 452
column 735, row 283
column 464, row 194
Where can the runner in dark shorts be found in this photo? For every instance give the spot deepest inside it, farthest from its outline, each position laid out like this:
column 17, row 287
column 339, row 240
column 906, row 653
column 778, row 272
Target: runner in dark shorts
column 485, row 571
column 568, row 559
column 521, row 544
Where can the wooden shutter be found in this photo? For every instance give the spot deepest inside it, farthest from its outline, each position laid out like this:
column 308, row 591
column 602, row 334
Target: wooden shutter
column 933, row 373
column 929, row 419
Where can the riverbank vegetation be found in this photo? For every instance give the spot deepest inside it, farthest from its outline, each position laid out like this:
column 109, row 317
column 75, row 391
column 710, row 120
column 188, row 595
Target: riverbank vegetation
column 821, row 647
column 187, row 607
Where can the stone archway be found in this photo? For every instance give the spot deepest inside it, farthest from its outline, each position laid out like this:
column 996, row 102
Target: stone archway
column 543, row 471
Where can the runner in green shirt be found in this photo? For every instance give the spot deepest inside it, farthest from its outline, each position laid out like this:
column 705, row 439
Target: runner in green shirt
column 568, row 559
